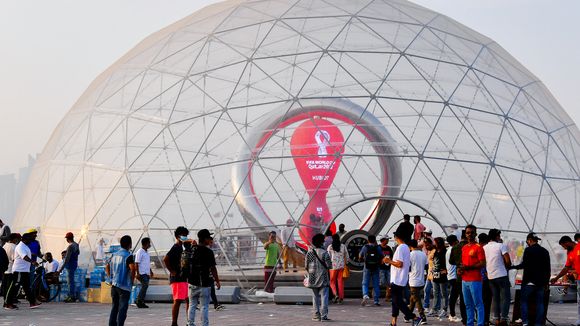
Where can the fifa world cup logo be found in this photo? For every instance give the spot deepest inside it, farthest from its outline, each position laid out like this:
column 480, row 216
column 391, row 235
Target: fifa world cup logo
column 316, row 146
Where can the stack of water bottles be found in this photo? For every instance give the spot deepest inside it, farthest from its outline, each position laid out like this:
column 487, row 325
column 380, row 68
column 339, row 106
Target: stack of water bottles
column 97, row 276
column 79, row 280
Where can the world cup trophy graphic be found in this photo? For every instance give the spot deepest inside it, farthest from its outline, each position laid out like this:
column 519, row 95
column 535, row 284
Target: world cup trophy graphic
column 316, row 147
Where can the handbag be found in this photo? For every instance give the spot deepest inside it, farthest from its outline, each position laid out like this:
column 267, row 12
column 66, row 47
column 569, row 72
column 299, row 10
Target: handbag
column 346, row 272
column 306, row 280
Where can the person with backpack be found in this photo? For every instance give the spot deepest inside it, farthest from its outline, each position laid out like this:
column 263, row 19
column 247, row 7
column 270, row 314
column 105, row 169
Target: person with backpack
column 198, row 262
column 372, row 255
column 317, row 263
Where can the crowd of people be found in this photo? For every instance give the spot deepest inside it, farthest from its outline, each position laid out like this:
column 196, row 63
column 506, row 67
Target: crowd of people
column 425, row 277
column 422, row 276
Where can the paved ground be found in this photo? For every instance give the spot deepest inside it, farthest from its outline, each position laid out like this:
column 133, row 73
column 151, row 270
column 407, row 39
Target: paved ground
column 236, row 315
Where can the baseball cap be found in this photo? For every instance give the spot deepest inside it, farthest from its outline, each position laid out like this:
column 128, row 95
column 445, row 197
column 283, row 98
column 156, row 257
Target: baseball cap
column 384, row 237
column 32, row 230
column 204, row 234
column 533, row 236
column 69, row 235
column 428, row 231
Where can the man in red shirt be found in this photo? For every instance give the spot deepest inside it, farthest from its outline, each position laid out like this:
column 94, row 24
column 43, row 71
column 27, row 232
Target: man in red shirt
column 472, row 261
column 572, row 264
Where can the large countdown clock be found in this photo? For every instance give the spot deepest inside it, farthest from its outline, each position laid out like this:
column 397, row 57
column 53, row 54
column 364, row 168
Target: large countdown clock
column 354, row 241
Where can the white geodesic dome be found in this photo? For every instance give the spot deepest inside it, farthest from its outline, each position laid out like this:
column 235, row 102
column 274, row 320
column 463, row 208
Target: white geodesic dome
column 152, row 143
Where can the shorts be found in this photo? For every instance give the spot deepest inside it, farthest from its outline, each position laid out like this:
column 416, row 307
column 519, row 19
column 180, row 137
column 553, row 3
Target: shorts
column 179, row 290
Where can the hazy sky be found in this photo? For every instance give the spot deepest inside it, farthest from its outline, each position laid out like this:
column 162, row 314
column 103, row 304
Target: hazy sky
column 50, row 51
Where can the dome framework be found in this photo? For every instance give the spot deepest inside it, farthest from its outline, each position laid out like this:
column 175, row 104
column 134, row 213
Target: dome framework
column 152, row 143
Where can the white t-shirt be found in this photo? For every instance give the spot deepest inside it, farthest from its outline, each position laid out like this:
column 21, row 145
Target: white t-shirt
column 21, row 265
column 495, row 265
column 51, row 267
column 288, row 237
column 144, row 260
column 9, row 247
column 417, row 273
column 400, row 276
column 451, row 269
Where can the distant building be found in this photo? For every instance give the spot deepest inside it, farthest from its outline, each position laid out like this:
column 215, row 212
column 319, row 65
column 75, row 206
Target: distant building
column 11, row 188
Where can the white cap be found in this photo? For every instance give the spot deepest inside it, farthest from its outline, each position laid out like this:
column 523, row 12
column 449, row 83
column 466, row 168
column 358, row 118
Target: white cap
column 428, row 231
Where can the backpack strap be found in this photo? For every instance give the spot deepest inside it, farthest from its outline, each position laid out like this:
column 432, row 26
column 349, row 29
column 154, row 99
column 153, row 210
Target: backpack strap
column 320, row 260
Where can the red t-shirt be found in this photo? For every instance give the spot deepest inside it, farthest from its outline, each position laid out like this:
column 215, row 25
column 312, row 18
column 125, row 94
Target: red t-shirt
column 573, row 260
column 472, row 254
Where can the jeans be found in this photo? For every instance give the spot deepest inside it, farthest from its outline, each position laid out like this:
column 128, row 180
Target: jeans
column 336, row 276
column 537, row 294
column 440, row 289
column 120, row 300
column 71, row 282
column 320, row 301
column 428, row 291
column 198, row 294
column 144, row 285
column 501, row 297
column 213, row 296
column 398, row 303
column 473, row 295
column 415, row 300
column 371, row 275
column 385, row 277
column 578, row 301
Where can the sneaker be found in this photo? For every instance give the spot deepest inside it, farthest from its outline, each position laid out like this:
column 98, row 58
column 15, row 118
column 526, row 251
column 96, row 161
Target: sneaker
column 407, row 320
column 432, row 313
column 219, row 307
column 442, row 314
column 376, row 304
column 316, row 318
column 423, row 321
column 340, row 301
column 417, row 321
column 324, row 319
column 69, row 299
column 365, row 300
column 10, row 307
column 454, row 319
column 34, row 305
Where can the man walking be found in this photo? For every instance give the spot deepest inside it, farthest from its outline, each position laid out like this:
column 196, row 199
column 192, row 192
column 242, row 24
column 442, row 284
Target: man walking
column 71, row 262
column 472, row 261
column 497, row 263
column 273, row 250
column 121, row 269
column 385, row 269
column 417, row 279
column 372, row 255
column 202, row 267
column 21, row 274
column 400, row 265
column 177, row 280
column 144, row 272
column 536, row 266
column 9, row 247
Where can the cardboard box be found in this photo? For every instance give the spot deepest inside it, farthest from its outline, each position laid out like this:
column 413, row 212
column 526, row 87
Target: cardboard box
column 105, row 293
column 94, row 295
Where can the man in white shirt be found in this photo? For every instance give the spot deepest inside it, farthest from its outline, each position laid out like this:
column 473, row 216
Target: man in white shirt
column 417, row 278
column 21, row 273
column 289, row 253
column 144, row 272
column 400, row 264
column 9, row 247
column 498, row 261
column 51, row 265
